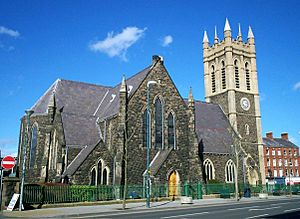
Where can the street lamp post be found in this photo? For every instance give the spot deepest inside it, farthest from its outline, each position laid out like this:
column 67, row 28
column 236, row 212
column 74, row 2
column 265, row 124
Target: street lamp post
column 236, row 153
column 290, row 163
column 28, row 114
column 148, row 144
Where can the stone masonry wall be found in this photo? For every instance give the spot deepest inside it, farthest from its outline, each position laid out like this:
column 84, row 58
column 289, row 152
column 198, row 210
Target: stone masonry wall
column 172, row 102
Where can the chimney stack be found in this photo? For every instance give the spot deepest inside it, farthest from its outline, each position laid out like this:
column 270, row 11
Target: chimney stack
column 285, row 136
column 157, row 58
column 269, row 135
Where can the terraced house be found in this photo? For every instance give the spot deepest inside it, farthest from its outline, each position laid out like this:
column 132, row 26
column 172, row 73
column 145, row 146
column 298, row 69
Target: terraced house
column 84, row 133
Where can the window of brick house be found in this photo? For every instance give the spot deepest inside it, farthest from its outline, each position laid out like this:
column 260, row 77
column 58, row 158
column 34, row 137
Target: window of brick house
column 273, row 152
column 274, row 162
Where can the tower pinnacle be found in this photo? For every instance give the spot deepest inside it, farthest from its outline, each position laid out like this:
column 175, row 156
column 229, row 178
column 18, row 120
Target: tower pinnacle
column 205, row 38
column 216, row 40
column 227, row 26
column 191, row 98
column 123, row 84
column 240, row 34
column 52, row 102
column 250, row 33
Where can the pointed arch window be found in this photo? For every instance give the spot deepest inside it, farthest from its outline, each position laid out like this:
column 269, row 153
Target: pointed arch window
column 209, row 170
column 158, row 124
column 223, row 75
column 229, row 171
column 93, row 177
column 171, row 131
column 247, row 130
column 33, row 146
column 236, row 74
column 105, row 176
column 248, row 84
column 213, row 79
column 145, row 128
column 99, row 172
column 53, row 151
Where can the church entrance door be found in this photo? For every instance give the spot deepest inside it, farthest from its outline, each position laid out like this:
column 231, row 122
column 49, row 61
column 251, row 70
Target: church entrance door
column 173, row 185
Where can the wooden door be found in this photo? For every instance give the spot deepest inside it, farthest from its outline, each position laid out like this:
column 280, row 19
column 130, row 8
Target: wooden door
column 173, row 185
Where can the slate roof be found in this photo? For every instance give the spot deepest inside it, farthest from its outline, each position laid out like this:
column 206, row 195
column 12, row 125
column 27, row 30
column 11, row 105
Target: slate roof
column 212, row 128
column 278, row 142
column 83, row 104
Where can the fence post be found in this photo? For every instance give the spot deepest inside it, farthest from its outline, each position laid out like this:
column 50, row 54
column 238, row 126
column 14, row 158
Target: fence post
column 186, row 188
column 199, row 190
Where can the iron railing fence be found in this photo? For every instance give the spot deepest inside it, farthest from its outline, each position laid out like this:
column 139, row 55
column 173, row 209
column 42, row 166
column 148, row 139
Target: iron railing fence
column 50, row 194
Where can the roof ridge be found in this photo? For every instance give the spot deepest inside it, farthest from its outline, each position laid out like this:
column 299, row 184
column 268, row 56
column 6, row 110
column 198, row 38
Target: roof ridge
column 127, row 79
column 53, row 87
column 87, row 83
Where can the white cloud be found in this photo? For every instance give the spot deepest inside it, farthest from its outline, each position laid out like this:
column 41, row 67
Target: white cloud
column 118, row 44
column 297, row 86
column 167, row 40
column 9, row 32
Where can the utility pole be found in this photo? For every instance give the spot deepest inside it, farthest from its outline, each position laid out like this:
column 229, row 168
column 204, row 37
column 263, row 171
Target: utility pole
column 1, row 183
column 237, row 152
column 148, row 145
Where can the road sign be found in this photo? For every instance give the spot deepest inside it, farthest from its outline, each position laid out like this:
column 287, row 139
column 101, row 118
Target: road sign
column 13, row 202
column 8, row 162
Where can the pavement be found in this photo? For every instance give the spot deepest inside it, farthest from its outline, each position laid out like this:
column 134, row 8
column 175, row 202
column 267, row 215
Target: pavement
column 68, row 212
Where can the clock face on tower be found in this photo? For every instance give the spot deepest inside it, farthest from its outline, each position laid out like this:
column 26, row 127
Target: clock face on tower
column 245, row 103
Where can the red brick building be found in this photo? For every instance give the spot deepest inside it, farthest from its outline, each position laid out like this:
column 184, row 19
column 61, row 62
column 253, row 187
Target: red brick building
column 281, row 156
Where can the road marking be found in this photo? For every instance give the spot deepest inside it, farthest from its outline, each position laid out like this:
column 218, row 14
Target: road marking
column 262, row 209
column 295, row 209
column 262, row 215
column 286, row 203
column 184, row 215
column 233, row 209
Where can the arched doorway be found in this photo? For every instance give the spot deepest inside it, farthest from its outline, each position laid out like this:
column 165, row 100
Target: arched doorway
column 253, row 177
column 173, row 183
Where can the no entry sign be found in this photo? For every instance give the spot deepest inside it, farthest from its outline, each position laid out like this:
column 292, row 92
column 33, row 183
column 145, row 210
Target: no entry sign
column 8, row 162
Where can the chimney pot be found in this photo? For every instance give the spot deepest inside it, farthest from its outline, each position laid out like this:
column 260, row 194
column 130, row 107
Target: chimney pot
column 285, row 136
column 269, row 135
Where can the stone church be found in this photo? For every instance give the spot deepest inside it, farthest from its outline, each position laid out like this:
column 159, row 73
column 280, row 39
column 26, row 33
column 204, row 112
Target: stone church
column 88, row 134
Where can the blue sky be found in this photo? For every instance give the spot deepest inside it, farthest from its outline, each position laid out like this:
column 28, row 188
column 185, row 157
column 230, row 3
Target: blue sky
column 98, row 41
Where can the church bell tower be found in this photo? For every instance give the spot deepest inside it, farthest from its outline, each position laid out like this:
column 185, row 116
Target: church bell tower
column 230, row 78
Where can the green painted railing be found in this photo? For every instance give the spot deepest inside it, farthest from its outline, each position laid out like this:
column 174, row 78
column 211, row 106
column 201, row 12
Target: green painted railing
column 46, row 194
